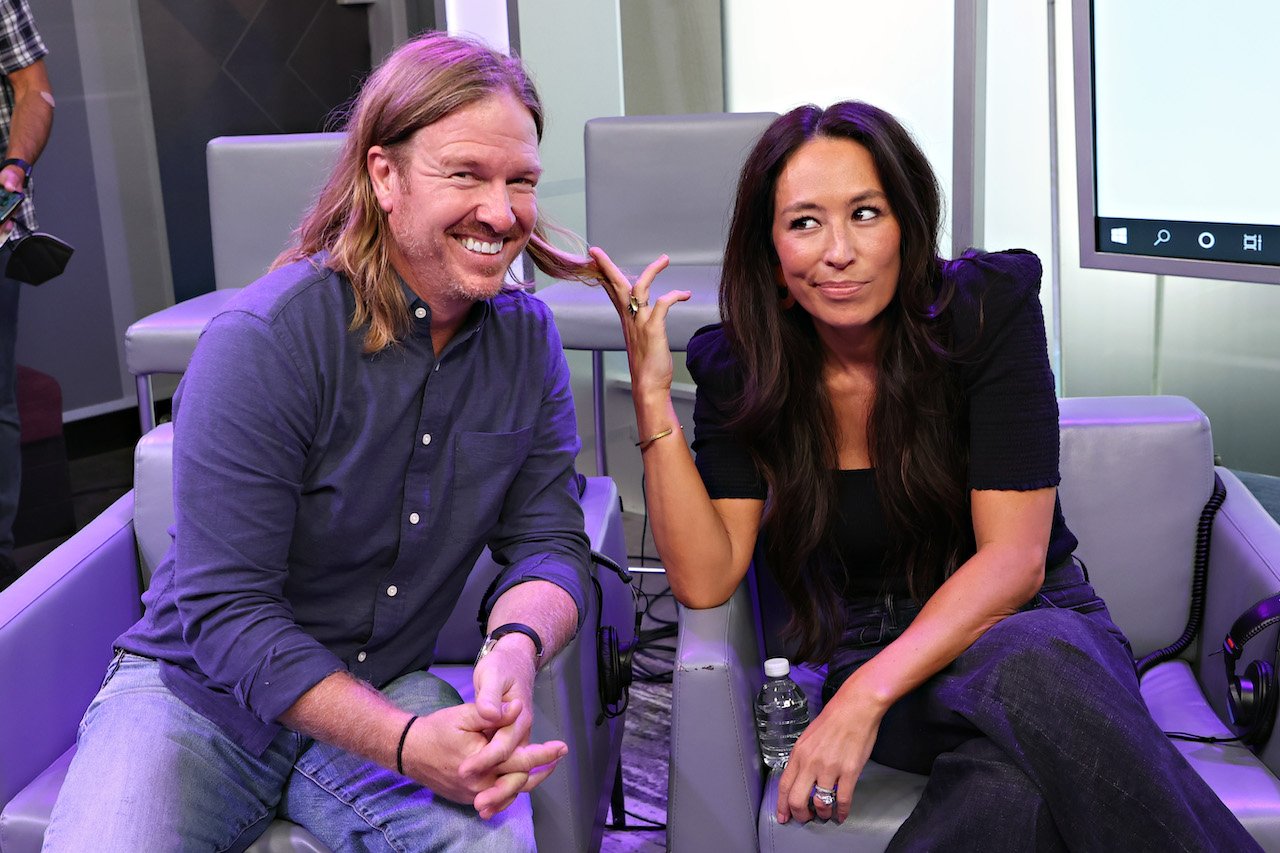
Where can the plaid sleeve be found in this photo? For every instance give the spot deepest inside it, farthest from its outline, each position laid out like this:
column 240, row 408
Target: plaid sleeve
column 20, row 44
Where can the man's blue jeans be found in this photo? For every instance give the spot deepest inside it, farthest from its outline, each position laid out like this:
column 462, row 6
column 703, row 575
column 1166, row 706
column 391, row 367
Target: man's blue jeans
column 1036, row 737
column 10, row 432
column 150, row 773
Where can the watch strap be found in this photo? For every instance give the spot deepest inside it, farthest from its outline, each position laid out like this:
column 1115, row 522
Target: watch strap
column 21, row 164
column 510, row 628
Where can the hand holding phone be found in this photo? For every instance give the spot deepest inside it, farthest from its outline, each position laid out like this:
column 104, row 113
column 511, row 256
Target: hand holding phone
column 9, row 202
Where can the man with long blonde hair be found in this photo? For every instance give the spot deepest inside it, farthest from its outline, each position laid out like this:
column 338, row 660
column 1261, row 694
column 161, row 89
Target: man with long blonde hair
column 352, row 430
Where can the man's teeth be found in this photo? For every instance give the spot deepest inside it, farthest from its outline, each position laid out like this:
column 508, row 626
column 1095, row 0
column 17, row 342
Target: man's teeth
column 474, row 245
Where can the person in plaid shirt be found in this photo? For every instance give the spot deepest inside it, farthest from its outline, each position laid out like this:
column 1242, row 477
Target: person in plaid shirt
column 26, row 114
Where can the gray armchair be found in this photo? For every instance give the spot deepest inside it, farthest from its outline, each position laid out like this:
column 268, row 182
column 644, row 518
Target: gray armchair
column 1136, row 475
column 259, row 188
column 58, row 621
column 654, row 185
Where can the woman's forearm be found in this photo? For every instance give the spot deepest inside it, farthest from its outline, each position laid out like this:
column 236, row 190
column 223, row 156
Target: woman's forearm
column 1011, row 530
column 704, row 561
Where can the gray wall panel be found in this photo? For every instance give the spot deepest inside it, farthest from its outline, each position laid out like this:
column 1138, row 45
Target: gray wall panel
column 67, row 327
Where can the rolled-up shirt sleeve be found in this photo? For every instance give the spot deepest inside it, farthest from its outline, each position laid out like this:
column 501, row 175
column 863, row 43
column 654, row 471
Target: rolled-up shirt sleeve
column 539, row 532
column 240, row 450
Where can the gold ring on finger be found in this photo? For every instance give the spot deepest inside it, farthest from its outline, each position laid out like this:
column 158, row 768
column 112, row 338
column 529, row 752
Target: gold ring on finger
column 634, row 305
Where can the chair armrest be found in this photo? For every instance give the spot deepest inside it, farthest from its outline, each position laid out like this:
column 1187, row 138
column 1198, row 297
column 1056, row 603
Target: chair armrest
column 1244, row 567
column 571, row 804
column 716, row 772
column 57, row 625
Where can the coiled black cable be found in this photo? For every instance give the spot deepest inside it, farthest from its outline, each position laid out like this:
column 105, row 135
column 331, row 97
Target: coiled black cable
column 1199, row 581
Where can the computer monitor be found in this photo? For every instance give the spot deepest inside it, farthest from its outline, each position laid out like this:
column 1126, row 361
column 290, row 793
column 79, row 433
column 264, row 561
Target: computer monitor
column 1178, row 136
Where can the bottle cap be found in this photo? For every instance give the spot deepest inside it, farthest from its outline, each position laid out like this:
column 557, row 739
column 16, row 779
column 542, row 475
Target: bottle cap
column 776, row 667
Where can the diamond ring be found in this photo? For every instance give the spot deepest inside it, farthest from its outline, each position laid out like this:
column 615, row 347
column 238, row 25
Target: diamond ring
column 824, row 796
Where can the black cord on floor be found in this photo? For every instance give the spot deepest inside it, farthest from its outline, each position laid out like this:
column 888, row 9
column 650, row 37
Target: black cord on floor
column 1234, row 741
column 649, row 825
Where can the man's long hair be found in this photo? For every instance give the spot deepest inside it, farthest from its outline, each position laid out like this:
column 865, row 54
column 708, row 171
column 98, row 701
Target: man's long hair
column 784, row 415
column 424, row 80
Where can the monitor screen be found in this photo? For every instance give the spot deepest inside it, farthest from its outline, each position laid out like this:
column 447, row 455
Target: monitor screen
column 1178, row 136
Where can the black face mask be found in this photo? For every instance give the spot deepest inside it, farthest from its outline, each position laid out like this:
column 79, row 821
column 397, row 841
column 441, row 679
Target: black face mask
column 35, row 257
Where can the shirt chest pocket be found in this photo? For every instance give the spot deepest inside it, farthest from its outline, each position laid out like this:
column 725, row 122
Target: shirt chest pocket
column 486, row 465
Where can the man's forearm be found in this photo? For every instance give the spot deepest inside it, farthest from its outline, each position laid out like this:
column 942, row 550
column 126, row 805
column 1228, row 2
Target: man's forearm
column 544, row 607
column 32, row 112
column 348, row 713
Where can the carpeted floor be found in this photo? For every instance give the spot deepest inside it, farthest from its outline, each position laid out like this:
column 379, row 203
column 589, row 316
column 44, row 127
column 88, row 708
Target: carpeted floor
column 645, row 749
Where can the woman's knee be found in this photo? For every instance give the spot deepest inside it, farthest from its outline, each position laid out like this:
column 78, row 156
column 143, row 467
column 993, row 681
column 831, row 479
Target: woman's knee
column 1042, row 649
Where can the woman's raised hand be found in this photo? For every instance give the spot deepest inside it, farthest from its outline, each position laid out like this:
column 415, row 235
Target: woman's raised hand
column 644, row 326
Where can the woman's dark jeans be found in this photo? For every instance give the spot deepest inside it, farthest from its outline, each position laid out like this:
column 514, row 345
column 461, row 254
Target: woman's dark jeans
column 1036, row 737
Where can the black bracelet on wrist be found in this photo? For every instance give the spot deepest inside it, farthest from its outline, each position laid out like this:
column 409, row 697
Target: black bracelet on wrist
column 510, row 628
column 400, row 748
column 21, row 164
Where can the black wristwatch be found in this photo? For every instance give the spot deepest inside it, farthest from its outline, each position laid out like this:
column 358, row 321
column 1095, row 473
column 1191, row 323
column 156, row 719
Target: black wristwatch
column 510, row 628
column 21, row 164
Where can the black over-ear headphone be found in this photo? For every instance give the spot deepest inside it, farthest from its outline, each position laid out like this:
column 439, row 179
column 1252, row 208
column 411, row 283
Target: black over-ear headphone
column 1251, row 698
column 613, row 656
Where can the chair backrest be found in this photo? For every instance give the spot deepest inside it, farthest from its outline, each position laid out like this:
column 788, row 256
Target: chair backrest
column 659, row 184
column 459, row 639
column 259, row 188
column 1136, row 474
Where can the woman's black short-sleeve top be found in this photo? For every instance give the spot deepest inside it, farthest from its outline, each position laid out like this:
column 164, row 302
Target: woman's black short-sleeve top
column 1008, row 389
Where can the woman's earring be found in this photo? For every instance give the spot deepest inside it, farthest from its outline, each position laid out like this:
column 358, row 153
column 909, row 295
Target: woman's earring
column 786, row 299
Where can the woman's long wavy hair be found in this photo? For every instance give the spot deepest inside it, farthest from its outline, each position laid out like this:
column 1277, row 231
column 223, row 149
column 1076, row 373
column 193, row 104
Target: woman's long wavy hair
column 424, row 80
column 915, row 437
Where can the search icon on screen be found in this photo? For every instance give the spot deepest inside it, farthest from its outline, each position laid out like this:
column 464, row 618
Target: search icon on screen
column 1162, row 236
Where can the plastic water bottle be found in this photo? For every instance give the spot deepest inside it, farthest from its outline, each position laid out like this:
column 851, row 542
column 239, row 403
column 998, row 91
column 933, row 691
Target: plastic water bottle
column 782, row 712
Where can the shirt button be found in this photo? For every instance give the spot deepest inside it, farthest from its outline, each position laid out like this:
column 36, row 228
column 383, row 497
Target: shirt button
column 426, row 438
column 420, row 313
column 360, row 657
column 391, row 590
column 414, row 518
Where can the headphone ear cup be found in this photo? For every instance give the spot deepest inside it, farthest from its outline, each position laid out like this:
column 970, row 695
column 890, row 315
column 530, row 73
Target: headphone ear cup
column 607, row 663
column 1262, row 679
column 614, row 659
column 1240, row 702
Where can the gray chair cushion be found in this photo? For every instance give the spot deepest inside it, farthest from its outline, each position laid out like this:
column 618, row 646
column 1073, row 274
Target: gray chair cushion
column 1237, row 776
column 1136, row 473
column 153, row 498
column 660, row 184
column 882, row 800
column 164, row 341
column 259, row 188
column 657, row 185
column 27, row 816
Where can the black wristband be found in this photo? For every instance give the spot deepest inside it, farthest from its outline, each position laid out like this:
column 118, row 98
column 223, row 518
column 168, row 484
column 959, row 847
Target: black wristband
column 510, row 628
column 21, row 164
column 404, row 735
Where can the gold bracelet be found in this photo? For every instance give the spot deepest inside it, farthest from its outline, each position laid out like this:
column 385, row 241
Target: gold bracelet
column 644, row 444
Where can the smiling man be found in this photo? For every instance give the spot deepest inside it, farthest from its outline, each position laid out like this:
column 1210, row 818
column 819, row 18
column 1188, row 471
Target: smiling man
column 352, row 431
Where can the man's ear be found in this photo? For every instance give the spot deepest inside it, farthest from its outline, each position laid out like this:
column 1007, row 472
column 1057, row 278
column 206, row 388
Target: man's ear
column 382, row 174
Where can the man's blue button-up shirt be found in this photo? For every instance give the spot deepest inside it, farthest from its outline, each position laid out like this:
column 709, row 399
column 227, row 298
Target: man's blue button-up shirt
column 330, row 504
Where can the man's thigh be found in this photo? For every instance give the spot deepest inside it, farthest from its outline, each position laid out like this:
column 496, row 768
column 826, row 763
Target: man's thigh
column 149, row 773
column 355, row 805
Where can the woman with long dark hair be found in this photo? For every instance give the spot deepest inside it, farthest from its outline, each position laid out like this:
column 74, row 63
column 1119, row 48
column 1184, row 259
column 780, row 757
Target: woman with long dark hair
column 884, row 423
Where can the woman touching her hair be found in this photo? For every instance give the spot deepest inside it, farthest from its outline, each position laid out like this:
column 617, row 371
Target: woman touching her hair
column 884, row 423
